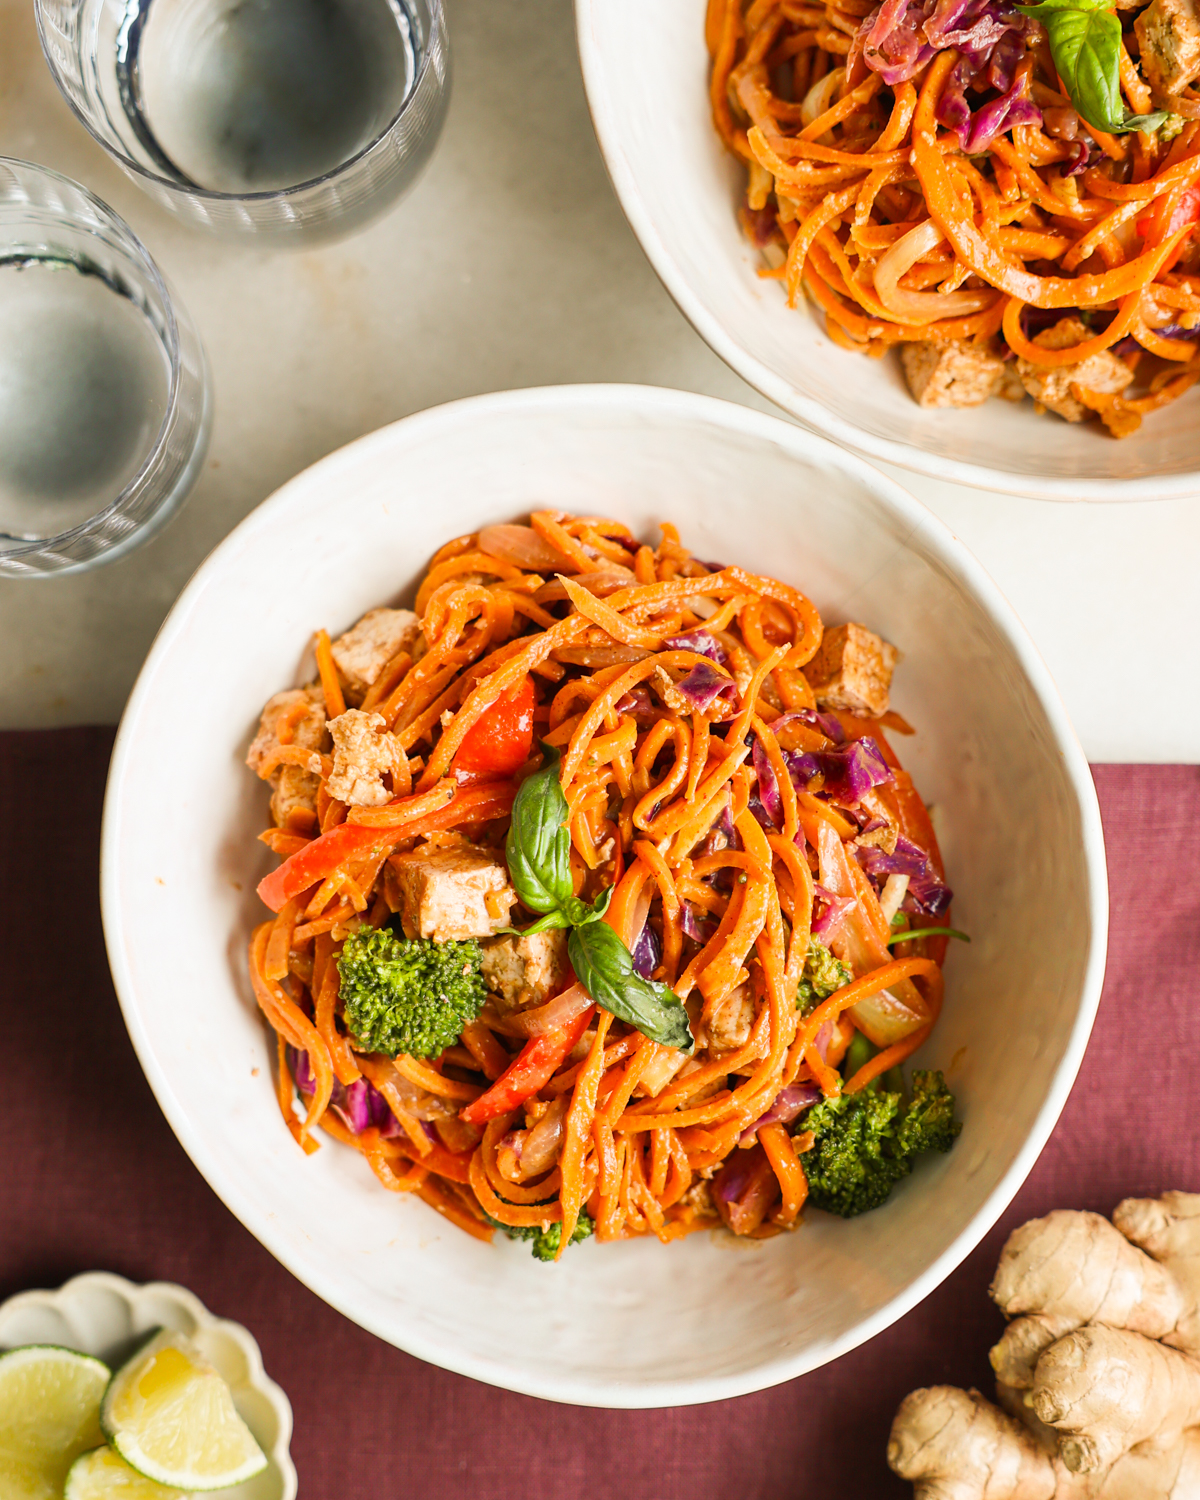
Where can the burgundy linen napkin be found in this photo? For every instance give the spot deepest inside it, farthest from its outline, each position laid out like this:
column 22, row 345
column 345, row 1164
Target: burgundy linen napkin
column 91, row 1177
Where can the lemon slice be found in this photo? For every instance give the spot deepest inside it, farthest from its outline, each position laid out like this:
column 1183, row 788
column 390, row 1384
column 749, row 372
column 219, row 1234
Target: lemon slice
column 171, row 1417
column 104, row 1475
column 49, row 1414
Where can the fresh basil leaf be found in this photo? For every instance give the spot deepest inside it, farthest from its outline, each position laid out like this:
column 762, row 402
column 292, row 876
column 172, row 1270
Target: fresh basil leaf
column 538, row 847
column 581, row 913
column 604, row 966
column 556, row 918
column 1085, row 42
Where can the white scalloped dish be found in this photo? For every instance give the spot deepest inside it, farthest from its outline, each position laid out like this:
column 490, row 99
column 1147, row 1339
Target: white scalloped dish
column 107, row 1316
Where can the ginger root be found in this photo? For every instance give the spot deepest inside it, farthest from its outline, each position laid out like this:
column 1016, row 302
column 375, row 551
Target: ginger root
column 1098, row 1371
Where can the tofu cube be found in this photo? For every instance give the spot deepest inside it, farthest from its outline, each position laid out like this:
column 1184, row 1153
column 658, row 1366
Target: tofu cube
column 294, row 787
column 295, row 792
column 1168, row 32
column 305, row 709
column 1051, row 384
column 525, row 970
column 452, row 894
column 363, row 751
column 365, row 649
column 853, row 670
column 956, row 372
column 731, row 1021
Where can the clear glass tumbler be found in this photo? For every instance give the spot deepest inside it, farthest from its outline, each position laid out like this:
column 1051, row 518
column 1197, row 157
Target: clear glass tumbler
column 105, row 402
column 289, row 120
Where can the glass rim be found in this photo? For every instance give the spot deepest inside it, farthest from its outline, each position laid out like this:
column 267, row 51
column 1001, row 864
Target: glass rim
column 22, row 546
column 212, row 195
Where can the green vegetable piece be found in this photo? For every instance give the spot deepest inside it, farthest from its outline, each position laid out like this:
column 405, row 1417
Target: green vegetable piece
column 865, row 1142
column 604, row 966
column 409, row 995
column 928, row 1123
column 1085, row 42
column 908, row 935
column 546, row 1241
column 823, row 974
column 860, row 1051
column 538, row 853
column 538, row 848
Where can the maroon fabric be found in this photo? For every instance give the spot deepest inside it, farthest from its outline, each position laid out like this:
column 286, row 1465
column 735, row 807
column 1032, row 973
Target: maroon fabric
column 92, row 1177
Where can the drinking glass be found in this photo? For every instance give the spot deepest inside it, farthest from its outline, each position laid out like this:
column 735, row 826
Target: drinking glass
column 286, row 120
column 105, row 404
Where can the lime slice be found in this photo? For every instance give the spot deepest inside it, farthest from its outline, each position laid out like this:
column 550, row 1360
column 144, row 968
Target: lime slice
column 49, row 1414
column 104, row 1475
column 171, row 1417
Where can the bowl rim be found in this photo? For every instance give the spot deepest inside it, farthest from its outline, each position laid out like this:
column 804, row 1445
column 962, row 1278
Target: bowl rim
column 109, row 1282
column 825, row 420
column 651, row 404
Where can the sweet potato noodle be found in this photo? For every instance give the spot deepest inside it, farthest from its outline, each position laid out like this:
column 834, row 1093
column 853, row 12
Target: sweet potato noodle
column 917, row 168
column 734, row 814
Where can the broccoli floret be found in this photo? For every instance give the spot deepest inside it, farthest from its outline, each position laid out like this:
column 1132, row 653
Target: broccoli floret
column 865, row 1142
column 928, row 1123
column 1170, row 128
column 822, row 975
column 546, row 1241
column 409, row 995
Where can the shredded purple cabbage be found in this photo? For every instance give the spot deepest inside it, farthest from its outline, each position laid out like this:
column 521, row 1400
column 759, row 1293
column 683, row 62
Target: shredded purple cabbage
column 977, row 129
column 901, row 36
column 360, row 1104
column 769, row 794
column 734, row 1177
column 637, row 703
column 833, row 909
column 701, row 641
column 789, row 1103
column 704, row 686
column 695, row 925
column 826, row 724
column 849, row 773
column 647, row 951
column 926, row 894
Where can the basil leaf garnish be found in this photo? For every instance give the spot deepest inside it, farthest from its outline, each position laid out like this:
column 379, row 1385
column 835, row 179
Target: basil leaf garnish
column 1085, row 42
column 538, row 847
column 604, row 966
column 538, row 850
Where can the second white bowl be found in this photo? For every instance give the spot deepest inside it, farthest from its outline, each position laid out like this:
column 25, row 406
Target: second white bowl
column 632, row 1324
column 646, row 72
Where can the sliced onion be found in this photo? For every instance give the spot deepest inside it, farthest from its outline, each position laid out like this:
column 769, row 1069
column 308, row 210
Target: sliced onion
column 920, row 307
column 557, row 1012
column 524, row 547
column 821, row 96
column 603, row 581
column 600, row 656
column 540, row 1148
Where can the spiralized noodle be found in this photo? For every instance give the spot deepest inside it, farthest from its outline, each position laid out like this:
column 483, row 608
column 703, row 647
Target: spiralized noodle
column 903, row 232
column 722, row 857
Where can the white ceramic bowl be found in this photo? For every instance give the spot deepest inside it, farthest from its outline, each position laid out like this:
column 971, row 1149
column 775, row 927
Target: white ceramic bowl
column 629, row 1324
column 106, row 1316
column 646, row 72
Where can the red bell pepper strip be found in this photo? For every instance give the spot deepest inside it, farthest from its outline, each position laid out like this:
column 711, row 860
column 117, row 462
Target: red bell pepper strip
column 320, row 858
column 529, row 1071
column 1185, row 212
column 500, row 742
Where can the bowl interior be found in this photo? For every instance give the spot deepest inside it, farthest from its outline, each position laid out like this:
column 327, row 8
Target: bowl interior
column 628, row 1324
column 681, row 190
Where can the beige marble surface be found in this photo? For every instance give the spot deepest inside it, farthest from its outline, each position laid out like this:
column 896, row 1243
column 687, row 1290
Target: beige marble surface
column 511, row 265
